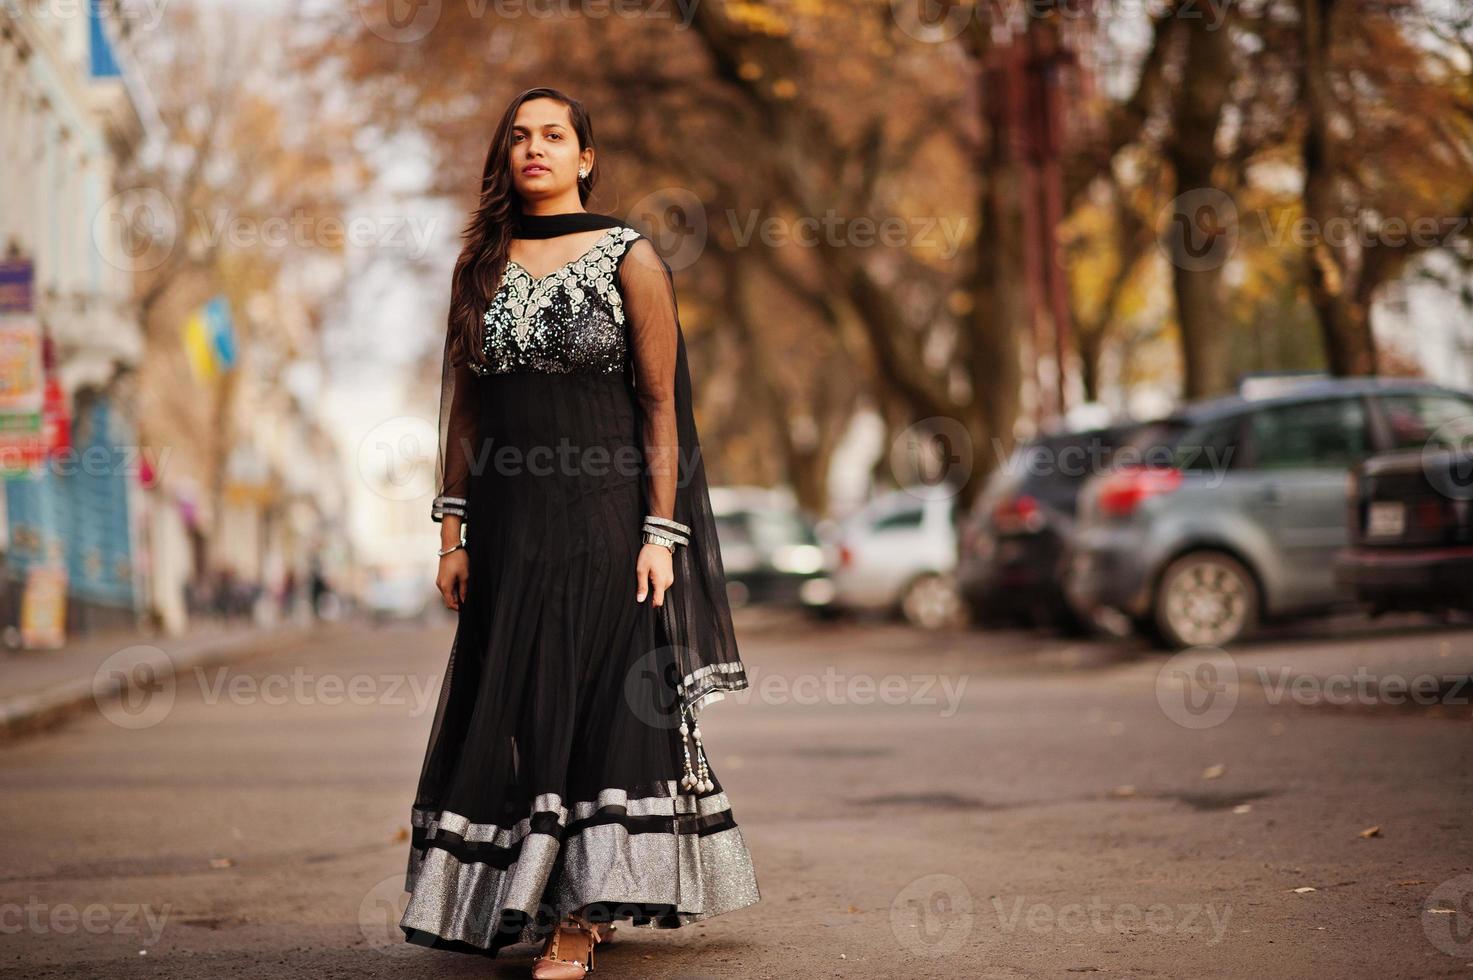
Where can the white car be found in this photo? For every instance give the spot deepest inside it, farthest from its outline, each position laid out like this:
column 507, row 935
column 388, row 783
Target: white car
column 898, row 554
column 406, row 594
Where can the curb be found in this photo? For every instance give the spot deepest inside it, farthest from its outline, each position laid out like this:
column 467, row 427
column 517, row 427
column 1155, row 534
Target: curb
column 35, row 711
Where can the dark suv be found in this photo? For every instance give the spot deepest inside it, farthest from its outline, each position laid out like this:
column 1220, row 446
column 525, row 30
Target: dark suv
column 1013, row 543
column 1410, row 511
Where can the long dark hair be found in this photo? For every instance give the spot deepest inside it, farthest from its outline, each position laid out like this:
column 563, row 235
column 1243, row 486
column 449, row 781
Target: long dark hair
column 491, row 228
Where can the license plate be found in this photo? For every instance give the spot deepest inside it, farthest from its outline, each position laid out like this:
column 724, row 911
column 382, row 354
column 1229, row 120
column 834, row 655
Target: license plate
column 1386, row 520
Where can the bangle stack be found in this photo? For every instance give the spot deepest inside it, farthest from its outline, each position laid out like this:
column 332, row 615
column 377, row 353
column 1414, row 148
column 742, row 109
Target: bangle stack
column 665, row 532
column 443, row 505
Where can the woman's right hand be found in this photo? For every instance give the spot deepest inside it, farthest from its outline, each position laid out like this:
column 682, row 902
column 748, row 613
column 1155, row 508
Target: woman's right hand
column 454, row 574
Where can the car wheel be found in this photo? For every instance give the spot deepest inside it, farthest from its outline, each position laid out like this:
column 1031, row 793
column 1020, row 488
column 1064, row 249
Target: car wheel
column 1205, row 597
column 931, row 601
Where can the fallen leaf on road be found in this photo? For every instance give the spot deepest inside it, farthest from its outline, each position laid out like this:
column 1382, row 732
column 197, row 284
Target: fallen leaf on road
column 1123, row 791
column 1303, row 890
column 854, row 908
column 1243, row 808
column 1214, row 772
column 401, row 835
column 1371, row 831
column 222, row 862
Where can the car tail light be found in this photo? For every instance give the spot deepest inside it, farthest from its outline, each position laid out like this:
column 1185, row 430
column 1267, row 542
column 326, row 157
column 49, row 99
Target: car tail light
column 1122, row 492
column 1431, row 515
column 846, row 556
column 1019, row 514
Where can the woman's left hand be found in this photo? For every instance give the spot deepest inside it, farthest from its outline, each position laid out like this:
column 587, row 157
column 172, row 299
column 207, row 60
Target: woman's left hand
column 654, row 568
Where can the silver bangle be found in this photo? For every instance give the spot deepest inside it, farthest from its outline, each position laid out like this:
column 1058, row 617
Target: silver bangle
column 666, row 533
column 666, row 522
column 443, row 505
column 454, row 547
column 650, row 537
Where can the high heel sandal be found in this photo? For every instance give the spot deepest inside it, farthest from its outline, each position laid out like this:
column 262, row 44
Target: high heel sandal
column 568, row 954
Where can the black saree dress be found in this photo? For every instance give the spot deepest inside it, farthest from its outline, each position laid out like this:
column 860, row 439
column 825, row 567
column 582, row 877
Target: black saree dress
column 564, row 769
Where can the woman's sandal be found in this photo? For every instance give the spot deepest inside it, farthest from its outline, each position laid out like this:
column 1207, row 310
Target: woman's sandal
column 568, row 954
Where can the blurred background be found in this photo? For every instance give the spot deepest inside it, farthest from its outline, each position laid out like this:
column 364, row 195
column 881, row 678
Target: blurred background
column 1049, row 339
column 909, row 242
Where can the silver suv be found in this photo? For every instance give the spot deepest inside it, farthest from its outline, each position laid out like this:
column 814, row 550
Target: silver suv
column 1230, row 511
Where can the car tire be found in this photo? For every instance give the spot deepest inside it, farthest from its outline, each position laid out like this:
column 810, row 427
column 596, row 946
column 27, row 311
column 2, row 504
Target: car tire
column 1205, row 598
column 931, row 601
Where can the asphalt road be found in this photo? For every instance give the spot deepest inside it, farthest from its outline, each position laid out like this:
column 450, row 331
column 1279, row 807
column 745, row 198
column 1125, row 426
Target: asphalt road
column 982, row 805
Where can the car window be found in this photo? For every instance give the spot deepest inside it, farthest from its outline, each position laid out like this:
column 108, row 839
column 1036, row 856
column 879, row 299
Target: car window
column 732, row 529
column 1054, row 468
column 1327, row 433
column 1416, row 420
column 1151, row 444
column 1212, row 447
column 900, row 519
column 775, row 528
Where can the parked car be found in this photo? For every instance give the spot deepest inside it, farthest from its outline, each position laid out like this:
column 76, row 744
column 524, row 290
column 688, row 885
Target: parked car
column 1410, row 515
column 770, row 551
column 1237, row 510
column 1013, row 543
column 401, row 594
column 898, row 555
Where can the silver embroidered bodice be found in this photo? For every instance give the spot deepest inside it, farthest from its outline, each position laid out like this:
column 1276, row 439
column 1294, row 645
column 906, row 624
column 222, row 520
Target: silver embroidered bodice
column 568, row 321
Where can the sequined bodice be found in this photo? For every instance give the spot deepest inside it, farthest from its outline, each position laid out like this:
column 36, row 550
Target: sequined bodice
column 568, row 321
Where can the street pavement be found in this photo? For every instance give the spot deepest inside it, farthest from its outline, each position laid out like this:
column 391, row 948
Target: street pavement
column 971, row 804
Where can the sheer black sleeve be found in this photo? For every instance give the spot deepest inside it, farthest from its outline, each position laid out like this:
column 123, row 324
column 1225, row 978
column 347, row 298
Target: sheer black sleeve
column 649, row 306
column 457, row 440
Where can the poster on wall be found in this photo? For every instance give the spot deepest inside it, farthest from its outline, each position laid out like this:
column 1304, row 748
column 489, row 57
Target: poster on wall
column 33, row 422
column 43, row 609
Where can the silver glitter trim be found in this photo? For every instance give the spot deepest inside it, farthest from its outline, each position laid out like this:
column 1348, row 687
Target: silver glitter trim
column 678, row 803
column 698, row 876
column 570, row 320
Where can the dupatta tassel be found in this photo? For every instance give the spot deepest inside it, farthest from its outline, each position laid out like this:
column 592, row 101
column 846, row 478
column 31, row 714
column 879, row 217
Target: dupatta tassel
column 697, row 780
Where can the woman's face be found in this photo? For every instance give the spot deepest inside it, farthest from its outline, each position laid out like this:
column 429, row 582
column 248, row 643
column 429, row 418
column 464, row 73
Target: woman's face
column 544, row 150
